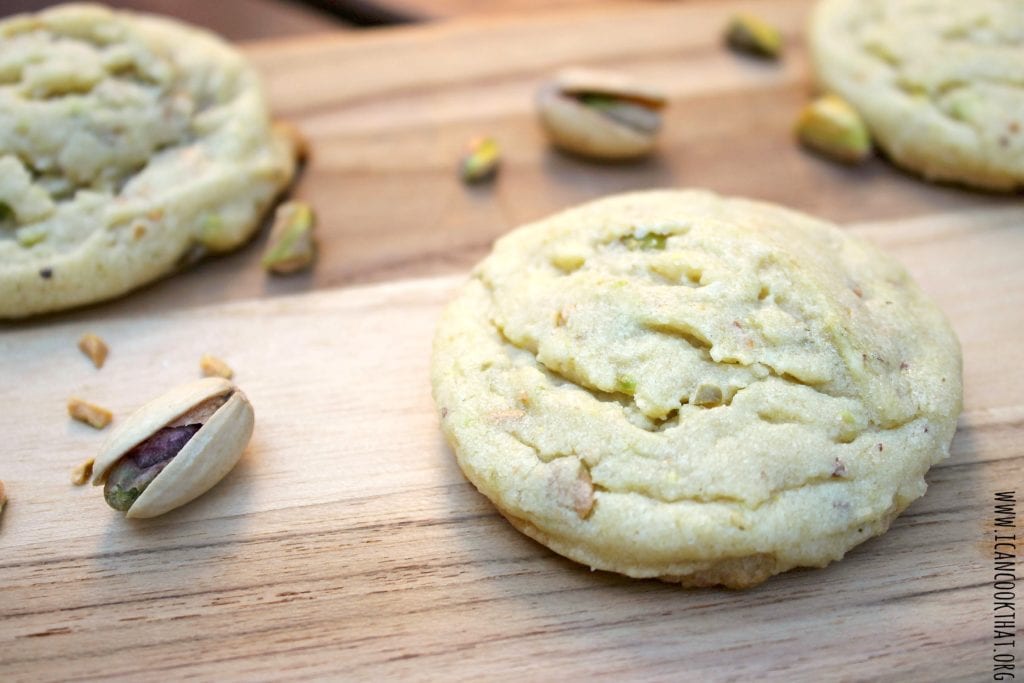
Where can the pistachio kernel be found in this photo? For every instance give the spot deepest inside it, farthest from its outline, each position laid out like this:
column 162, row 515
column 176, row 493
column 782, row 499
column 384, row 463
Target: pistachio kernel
column 753, row 36
column 30, row 235
column 290, row 247
column 626, row 384
column 137, row 469
column 707, row 396
column 212, row 235
column 481, row 160
column 829, row 125
column 648, row 242
column 639, row 115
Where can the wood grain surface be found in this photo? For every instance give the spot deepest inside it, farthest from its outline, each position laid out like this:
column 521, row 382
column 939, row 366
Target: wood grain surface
column 389, row 112
column 347, row 544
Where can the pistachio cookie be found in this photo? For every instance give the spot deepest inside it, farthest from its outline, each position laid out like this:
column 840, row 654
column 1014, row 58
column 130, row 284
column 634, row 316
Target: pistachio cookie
column 129, row 145
column 711, row 391
column 938, row 82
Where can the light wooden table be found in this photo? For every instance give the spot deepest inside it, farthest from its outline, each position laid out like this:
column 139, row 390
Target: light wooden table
column 347, row 544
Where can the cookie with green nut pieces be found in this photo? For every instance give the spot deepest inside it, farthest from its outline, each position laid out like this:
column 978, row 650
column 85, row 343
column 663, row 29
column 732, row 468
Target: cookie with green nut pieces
column 130, row 145
column 706, row 390
column 938, row 82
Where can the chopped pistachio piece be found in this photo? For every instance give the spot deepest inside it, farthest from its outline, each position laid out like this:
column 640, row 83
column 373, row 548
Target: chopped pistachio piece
column 91, row 414
column 211, row 366
column 94, row 347
column 291, row 247
column 481, row 160
column 211, row 232
column 30, row 235
column 707, row 396
column 6, row 212
column 626, row 384
column 82, row 472
column 649, row 241
column 746, row 33
column 831, row 126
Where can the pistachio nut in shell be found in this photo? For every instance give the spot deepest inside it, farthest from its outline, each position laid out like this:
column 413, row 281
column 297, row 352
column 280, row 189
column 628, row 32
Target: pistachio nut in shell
column 202, row 427
column 599, row 114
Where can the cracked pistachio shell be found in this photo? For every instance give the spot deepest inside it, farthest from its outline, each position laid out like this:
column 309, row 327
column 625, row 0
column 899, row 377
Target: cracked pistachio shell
column 577, row 127
column 209, row 455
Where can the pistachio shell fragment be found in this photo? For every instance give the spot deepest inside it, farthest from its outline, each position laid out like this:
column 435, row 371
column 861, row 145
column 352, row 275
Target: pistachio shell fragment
column 751, row 35
column 481, row 160
column 599, row 114
column 831, row 126
column 175, row 447
column 290, row 247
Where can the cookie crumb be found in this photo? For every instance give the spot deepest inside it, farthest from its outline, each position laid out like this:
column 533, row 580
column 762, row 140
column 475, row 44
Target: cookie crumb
column 211, row 366
column 91, row 414
column 94, row 347
column 82, row 472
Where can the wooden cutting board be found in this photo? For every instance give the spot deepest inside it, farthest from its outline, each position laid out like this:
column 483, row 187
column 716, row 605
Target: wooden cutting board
column 346, row 544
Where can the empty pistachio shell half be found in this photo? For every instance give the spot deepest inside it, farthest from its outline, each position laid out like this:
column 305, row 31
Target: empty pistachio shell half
column 174, row 448
column 600, row 114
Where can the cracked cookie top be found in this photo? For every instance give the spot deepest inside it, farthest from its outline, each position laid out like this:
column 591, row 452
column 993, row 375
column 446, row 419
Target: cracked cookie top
column 128, row 143
column 655, row 383
column 939, row 82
